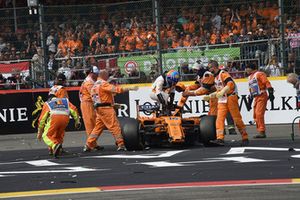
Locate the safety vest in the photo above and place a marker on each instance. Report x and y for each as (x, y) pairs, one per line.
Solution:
(95, 92)
(219, 86)
(59, 106)
(253, 85)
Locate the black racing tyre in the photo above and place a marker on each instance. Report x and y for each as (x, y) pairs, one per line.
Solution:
(207, 128)
(131, 133)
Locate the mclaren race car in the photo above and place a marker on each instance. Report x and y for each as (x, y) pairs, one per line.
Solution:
(165, 126)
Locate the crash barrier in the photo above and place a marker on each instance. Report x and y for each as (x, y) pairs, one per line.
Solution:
(16, 108)
(282, 110)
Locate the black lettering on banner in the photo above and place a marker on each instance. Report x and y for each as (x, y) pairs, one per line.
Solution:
(190, 107)
(197, 106)
(137, 101)
(273, 106)
(285, 103)
(245, 100)
(205, 106)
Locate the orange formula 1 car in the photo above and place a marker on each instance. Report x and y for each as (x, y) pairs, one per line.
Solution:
(161, 127)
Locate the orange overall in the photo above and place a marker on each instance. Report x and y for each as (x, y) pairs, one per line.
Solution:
(59, 91)
(103, 99)
(228, 102)
(201, 87)
(258, 84)
(86, 105)
(54, 119)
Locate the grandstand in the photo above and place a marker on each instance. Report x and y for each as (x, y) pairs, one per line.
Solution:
(121, 36)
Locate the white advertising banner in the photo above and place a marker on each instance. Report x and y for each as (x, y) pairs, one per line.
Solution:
(282, 111)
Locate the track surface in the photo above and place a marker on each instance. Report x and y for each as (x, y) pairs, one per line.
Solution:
(180, 173)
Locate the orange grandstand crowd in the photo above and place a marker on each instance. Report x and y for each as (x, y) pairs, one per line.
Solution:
(128, 32)
(131, 28)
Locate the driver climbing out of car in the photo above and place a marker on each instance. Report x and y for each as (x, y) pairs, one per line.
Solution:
(103, 98)
(204, 84)
(163, 89)
(227, 101)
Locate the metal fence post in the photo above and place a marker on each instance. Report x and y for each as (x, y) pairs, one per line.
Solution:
(15, 16)
(43, 43)
(158, 41)
(282, 34)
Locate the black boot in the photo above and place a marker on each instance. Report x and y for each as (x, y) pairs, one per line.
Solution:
(245, 143)
(260, 135)
(232, 131)
(217, 142)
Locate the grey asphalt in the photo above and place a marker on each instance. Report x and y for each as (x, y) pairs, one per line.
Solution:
(77, 139)
(275, 192)
(24, 147)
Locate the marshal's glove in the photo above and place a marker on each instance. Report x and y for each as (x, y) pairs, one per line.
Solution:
(133, 88)
(206, 98)
(271, 94)
(222, 92)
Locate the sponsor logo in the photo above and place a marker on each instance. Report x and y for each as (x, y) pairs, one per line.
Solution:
(130, 66)
(13, 115)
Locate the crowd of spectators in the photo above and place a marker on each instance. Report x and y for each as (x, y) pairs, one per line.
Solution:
(127, 32)
(123, 30)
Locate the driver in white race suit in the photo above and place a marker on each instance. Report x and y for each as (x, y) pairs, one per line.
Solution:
(163, 88)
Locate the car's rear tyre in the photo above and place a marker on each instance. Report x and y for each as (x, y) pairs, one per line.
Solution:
(207, 128)
(131, 133)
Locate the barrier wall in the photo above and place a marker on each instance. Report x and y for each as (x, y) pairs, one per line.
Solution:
(283, 110)
(16, 107)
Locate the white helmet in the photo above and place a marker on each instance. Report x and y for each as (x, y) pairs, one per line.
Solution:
(197, 65)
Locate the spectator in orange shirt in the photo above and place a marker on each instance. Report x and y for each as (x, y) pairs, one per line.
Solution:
(140, 39)
(63, 46)
(75, 45)
(225, 34)
(262, 10)
(187, 40)
(189, 27)
(273, 12)
(235, 21)
(121, 45)
(251, 19)
(213, 37)
(151, 36)
(243, 11)
(129, 41)
(175, 42)
(97, 38)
